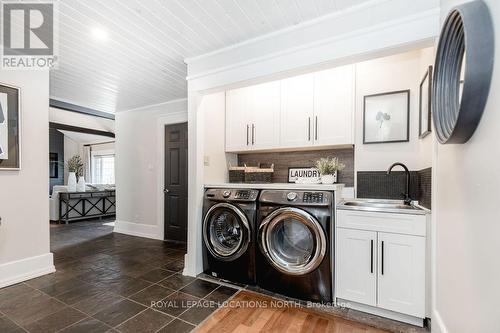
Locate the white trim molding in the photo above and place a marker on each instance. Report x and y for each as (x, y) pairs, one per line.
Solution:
(138, 229)
(194, 258)
(376, 28)
(438, 325)
(25, 269)
(158, 106)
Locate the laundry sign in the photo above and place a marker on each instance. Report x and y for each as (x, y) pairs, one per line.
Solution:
(309, 174)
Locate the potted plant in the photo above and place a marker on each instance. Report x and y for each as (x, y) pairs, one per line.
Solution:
(75, 168)
(328, 168)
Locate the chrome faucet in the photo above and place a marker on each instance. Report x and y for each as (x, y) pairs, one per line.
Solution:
(407, 198)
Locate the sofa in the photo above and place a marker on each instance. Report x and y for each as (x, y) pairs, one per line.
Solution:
(54, 201)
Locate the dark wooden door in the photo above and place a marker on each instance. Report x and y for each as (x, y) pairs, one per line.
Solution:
(176, 182)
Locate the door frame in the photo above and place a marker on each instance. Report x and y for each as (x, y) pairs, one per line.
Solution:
(161, 123)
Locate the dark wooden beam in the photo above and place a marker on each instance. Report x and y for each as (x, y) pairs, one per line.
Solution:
(79, 109)
(71, 128)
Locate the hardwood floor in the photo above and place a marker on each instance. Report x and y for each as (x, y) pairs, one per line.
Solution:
(252, 312)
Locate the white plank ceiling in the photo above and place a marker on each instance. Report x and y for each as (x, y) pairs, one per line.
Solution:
(140, 62)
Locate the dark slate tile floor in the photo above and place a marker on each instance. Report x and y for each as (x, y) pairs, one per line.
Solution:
(107, 282)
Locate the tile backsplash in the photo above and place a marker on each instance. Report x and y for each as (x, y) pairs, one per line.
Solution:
(379, 185)
(294, 159)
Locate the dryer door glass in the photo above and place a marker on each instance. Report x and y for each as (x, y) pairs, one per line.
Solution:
(293, 241)
(226, 231)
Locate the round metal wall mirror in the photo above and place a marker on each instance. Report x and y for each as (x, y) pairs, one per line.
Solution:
(462, 72)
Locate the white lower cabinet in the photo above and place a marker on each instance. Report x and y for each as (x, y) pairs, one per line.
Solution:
(356, 266)
(401, 274)
(381, 269)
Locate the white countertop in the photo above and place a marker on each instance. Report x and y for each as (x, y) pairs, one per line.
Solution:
(279, 186)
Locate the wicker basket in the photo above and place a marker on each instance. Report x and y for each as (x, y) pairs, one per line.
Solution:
(255, 175)
(236, 174)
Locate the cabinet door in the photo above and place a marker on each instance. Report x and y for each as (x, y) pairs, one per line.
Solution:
(237, 124)
(401, 273)
(356, 266)
(264, 113)
(297, 104)
(334, 106)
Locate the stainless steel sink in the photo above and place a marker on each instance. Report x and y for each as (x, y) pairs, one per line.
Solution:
(388, 206)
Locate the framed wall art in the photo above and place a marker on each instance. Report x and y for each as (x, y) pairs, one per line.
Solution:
(386, 117)
(424, 104)
(10, 128)
(54, 165)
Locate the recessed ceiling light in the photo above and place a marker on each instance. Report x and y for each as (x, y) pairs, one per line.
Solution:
(99, 34)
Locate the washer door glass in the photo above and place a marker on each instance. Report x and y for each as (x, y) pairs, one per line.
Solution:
(226, 231)
(292, 240)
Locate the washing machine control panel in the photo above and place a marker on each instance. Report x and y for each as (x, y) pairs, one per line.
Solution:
(231, 194)
(312, 197)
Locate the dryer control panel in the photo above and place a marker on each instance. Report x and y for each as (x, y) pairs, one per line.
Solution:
(297, 197)
(313, 197)
(243, 194)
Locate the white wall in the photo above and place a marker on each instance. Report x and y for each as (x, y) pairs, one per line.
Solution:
(71, 148)
(397, 72)
(24, 205)
(214, 111)
(81, 120)
(108, 147)
(467, 222)
(139, 152)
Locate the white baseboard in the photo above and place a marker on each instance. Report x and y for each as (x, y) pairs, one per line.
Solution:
(189, 268)
(437, 323)
(25, 269)
(137, 229)
(382, 312)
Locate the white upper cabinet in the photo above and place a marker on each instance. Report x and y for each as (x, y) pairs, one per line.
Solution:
(401, 273)
(333, 106)
(302, 111)
(237, 124)
(297, 104)
(264, 112)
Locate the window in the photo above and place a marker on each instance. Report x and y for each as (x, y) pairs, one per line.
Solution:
(103, 169)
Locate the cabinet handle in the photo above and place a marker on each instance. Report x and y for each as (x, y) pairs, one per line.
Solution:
(382, 258)
(248, 127)
(316, 128)
(253, 134)
(371, 257)
(309, 130)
